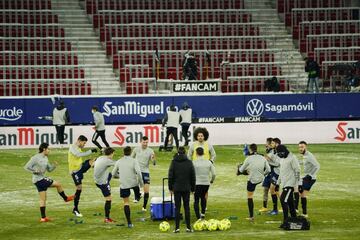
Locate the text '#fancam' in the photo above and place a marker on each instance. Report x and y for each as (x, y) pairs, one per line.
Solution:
(133, 108)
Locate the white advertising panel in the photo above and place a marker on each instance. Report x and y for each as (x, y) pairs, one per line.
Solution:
(220, 134)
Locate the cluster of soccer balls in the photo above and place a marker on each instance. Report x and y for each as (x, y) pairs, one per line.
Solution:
(212, 225)
(202, 225)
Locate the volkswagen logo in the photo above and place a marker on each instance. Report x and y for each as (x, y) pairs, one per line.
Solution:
(255, 107)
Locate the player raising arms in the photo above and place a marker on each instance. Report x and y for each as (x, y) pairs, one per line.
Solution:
(77, 167)
(128, 171)
(257, 167)
(143, 154)
(311, 168)
(102, 179)
(38, 165)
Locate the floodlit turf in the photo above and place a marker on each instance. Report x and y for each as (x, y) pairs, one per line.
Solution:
(334, 205)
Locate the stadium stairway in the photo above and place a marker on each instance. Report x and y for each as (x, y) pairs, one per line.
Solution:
(265, 11)
(98, 69)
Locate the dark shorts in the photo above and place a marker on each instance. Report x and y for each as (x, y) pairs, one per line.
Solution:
(251, 186)
(43, 184)
(105, 189)
(307, 184)
(146, 177)
(274, 177)
(124, 193)
(267, 181)
(79, 175)
(201, 190)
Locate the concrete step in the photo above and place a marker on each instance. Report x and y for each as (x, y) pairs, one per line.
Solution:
(79, 25)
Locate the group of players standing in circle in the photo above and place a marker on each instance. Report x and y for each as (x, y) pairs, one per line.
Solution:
(279, 167)
(188, 173)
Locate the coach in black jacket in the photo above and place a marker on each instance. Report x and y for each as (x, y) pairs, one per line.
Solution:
(181, 182)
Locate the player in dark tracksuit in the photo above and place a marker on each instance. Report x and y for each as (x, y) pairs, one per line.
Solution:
(182, 181)
(289, 179)
(99, 127)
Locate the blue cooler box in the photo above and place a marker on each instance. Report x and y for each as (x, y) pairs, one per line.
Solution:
(158, 212)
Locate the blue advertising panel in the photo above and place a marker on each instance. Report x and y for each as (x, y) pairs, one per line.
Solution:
(214, 106)
(150, 109)
(281, 106)
(338, 105)
(12, 112)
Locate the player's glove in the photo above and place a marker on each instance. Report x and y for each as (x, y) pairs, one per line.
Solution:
(94, 150)
(241, 173)
(238, 170)
(307, 178)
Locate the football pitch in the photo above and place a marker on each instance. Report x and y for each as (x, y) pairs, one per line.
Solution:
(333, 204)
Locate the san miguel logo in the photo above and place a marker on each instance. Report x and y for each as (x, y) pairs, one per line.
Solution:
(29, 136)
(347, 133)
(123, 136)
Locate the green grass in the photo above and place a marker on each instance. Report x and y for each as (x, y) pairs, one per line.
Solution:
(334, 205)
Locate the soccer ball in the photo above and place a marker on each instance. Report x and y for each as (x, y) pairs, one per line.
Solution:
(198, 225)
(205, 224)
(222, 226)
(226, 222)
(213, 225)
(164, 226)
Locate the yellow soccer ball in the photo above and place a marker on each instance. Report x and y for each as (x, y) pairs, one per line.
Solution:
(213, 225)
(226, 222)
(198, 225)
(164, 226)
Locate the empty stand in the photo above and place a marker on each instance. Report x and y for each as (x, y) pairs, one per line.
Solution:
(285, 6)
(169, 16)
(36, 58)
(177, 30)
(93, 6)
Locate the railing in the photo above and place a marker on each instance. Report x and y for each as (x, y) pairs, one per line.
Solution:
(326, 27)
(177, 30)
(326, 14)
(189, 43)
(331, 40)
(39, 58)
(332, 78)
(25, 4)
(92, 6)
(44, 87)
(336, 54)
(208, 62)
(170, 16)
(285, 6)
